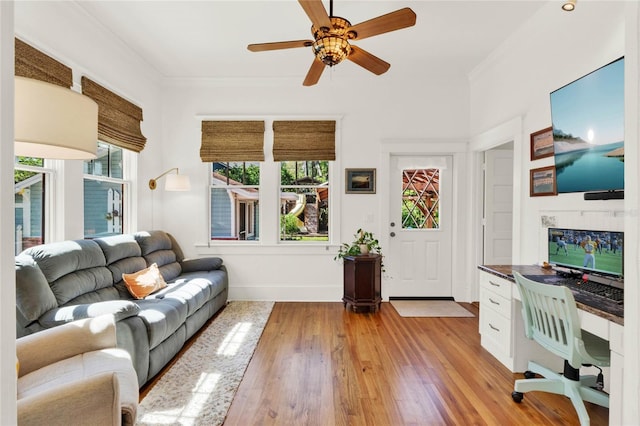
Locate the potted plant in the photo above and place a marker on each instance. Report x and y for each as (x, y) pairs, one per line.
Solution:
(364, 243)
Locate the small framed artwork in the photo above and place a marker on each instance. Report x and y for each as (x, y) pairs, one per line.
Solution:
(543, 181)
(542, 143)
(360, 181)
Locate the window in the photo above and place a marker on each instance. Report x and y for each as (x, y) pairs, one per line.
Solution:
(235, 201)
(295, 193)
(29, 178)
(304, 201)
(104, 192)
(421, 199)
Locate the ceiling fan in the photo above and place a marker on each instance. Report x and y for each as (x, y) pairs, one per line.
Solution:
(331, 36)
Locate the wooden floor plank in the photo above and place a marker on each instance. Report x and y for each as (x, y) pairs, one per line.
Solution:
(319, 364)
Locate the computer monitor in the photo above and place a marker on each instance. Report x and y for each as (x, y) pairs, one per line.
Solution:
(587, 251)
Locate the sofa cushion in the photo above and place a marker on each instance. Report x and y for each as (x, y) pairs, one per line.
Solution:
(72, 268)
(59, 259)
(195, 289)
(162, 317)
(145, 282)
(157, 247)
(120, 309)
(201, 264)
(33, 294)
(116, 247)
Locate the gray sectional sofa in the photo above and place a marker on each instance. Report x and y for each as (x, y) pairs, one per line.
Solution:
(61, 282)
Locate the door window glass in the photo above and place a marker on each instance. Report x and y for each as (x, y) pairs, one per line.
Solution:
(421, 199)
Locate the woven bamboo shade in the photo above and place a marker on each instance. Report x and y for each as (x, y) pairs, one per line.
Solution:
(118, 119)
(32, 63)
(304, 140)
(232, 141)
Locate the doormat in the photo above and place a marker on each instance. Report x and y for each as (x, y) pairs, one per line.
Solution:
(430, 308)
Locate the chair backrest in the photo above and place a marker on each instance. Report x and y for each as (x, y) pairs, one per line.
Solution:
(550, 317)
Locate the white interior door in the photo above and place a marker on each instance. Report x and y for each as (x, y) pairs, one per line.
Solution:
(419, 259)
(498, 207)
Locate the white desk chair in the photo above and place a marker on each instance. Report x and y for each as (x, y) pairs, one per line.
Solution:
(551, 319)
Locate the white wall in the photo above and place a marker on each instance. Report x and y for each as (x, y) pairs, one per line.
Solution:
(7, 265)
(553, 49)
(397, 107)
(64, 31)
(392, 109)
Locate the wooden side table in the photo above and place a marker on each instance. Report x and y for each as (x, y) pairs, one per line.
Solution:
(362, 282)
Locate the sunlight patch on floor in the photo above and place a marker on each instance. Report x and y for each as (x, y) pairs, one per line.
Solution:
(233, 340)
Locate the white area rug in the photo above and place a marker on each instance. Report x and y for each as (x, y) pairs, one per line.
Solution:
(429, 308)
(199, 387)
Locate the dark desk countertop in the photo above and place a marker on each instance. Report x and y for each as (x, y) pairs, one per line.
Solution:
(596, 305)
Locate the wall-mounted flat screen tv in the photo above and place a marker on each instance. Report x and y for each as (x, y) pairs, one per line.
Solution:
(587, 250)
(588, 131)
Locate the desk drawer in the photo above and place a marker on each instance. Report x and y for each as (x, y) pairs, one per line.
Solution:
(494, 301)
(496, 330)
(496, 284)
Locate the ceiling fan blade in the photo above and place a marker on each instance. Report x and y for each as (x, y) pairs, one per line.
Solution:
(397, 20)
(314, 73)
(316, 12)
(261, 47)
(368, 61)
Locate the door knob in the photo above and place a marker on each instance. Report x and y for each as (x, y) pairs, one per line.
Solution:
(392, 224)
(393, 234)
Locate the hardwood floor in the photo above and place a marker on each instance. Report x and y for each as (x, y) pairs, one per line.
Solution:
(319, 364)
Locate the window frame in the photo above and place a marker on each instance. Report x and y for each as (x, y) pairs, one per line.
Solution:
(283, 188)
(249, 209)
(129, 170)
(48, 204)
(269, 218)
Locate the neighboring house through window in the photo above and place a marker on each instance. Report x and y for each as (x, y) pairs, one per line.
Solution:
(30, 182)
(104, 192)
(235, 201)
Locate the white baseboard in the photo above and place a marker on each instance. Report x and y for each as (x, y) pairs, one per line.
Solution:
(287, 293)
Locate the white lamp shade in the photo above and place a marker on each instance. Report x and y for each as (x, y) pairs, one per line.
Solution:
(54, 122)
(177, 183)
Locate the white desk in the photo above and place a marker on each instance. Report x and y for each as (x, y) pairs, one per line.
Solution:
(502, 331)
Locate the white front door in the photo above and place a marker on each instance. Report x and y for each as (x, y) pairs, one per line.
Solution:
(419, 260)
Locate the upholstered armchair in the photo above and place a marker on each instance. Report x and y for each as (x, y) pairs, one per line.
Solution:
(74, 374)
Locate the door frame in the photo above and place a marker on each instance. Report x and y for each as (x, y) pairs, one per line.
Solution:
(509, 131)
(459, 150)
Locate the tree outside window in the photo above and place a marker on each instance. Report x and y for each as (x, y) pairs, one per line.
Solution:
(304, 201)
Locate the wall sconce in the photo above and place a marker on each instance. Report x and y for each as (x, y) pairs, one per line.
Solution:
(569, 5)
(175, 182)
(54, 122)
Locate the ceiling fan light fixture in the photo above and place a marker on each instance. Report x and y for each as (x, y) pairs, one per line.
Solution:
(331, 50)
(569, 5)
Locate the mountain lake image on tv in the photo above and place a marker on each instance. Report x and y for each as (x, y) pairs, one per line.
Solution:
(588, 131)
(587, 250)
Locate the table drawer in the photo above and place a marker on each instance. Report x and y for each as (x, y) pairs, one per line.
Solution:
(496, 329)
(496, 284)
(492, 300)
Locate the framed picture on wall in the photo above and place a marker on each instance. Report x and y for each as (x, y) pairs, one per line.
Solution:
(542, 143)
(543, 181)
(360, 181)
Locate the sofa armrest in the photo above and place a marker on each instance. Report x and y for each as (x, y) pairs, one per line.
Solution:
(94, 400)
(55, 344)
(201, 264)
(120, 309)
